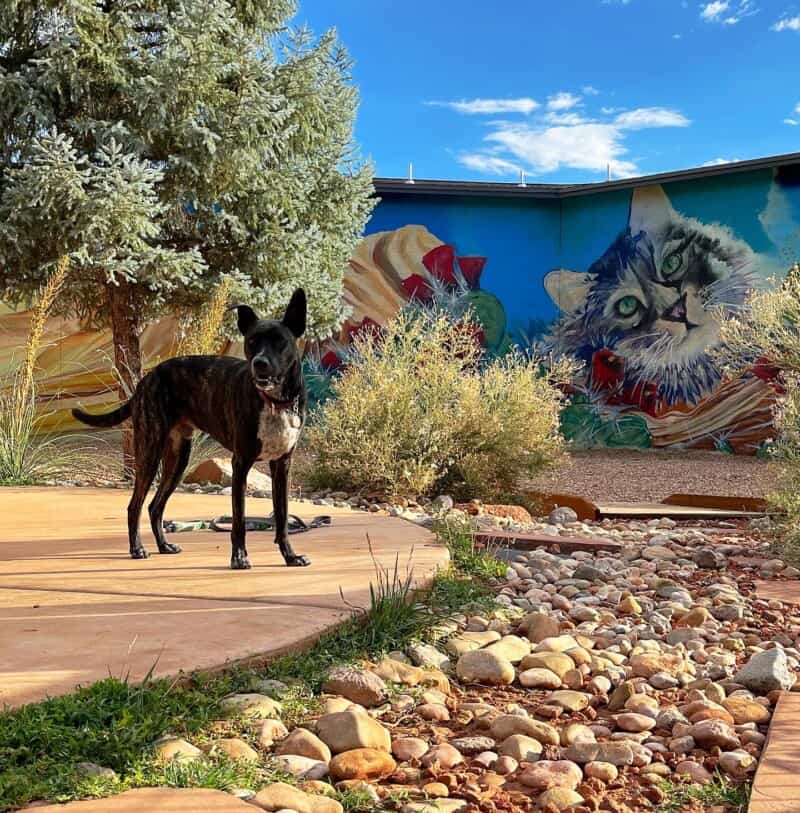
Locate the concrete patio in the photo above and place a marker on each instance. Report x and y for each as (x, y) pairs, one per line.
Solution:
(74, 608)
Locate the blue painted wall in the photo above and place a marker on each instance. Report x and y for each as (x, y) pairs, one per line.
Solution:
(648, 370)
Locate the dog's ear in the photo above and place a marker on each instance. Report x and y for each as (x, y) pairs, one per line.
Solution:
(295, 316)
(245, 317)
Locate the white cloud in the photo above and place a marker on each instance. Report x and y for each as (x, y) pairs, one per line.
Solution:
(645, 117)
(490, 164)
(590, 90)
(787, 24)
(490, 106)
(677, 36)
(797, 108)
(562, 136)
(719, 161)
(727, 13)
(587, 145)
(570, 119)
(711, 12)
(562, 101)
(791, 122)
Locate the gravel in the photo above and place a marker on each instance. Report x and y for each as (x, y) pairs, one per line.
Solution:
(627, 475)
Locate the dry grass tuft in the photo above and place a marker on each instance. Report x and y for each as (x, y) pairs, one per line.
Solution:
(28, 455)
(203, 338)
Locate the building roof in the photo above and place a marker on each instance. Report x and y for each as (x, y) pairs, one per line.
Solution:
(400, 186)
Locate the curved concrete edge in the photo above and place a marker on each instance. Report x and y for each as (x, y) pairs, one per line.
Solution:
(421, 587)
(162, 800)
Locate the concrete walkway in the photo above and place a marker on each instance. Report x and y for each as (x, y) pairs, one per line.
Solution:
(74, 608)
(776, 788)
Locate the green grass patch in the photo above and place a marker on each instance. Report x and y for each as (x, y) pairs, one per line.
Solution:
(720, 791)
(114, 723)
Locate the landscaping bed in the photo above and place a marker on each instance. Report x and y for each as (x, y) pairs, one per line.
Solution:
(635, 681)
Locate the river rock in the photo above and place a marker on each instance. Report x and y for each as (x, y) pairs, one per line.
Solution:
(407, 748)
(346, 730)
(280, 796)
(539, 679)
(361, 763)
(251, 705)
(506, 725)
(552, 774)
(766, 672)
(521, 747)
(302, 742)
(357, 685)
(481, 666)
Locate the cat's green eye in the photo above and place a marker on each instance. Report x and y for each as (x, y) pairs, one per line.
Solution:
(627, 306)
(672, 264)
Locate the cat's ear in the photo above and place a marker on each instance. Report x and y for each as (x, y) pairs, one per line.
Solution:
(567, 289)
(651, 210)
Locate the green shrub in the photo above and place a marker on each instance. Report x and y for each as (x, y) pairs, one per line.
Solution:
(417, 411)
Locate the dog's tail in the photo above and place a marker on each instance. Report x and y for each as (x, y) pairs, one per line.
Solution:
(106, 419)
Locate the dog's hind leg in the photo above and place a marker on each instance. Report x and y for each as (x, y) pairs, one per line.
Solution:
(241, 467)
(279, 469)
(173, 465)
(148, 454)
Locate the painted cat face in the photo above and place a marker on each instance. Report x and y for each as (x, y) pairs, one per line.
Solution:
(651, 298)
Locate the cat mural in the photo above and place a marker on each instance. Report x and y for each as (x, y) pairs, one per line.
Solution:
(644, 319)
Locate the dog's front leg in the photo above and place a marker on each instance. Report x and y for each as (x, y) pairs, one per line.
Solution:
(239, 560)
(279, 469)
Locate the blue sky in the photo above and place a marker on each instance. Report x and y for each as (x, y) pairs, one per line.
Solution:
(561, 89)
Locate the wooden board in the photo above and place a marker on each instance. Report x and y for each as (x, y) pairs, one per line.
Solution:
(644, 510)
(543, 503)
(753, 504)
(523, 541)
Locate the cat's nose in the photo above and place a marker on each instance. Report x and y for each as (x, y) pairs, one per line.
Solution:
(677, 313)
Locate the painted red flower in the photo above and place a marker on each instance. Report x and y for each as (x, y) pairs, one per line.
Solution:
(607, 369)
(366, 327)
(441, 263)
(417, 287)
(607, 375)
(330, 362)
(768, 373)
(471, 269)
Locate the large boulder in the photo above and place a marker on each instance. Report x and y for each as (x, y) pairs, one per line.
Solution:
(219, 471)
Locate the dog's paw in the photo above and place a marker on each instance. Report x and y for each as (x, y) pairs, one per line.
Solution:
(239, 561)
(139, 553)
(298, 561)
(169, 547)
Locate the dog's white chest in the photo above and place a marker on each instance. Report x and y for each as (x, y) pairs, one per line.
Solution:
(278, 430)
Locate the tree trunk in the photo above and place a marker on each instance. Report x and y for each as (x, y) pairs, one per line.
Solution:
(125, 328)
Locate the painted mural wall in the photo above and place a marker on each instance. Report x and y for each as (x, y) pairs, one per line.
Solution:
(625, 281)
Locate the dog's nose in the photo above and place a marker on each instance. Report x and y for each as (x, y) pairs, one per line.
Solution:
(262, 368)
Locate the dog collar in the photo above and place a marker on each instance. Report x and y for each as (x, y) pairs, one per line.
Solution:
(280, 406)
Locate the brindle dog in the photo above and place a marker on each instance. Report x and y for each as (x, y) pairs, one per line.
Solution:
(255, 408)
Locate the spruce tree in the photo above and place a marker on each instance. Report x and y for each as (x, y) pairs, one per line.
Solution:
(164, 144)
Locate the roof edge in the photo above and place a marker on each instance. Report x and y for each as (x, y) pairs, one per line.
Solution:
(400, 186)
